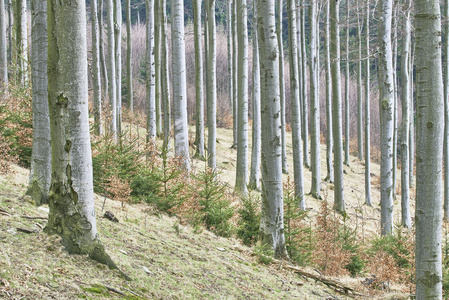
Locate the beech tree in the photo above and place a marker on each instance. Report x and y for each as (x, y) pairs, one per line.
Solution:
(272, 212)
(234, 74)
(129, 75)
(359, 86)
(40, 174)
(111, 69)
(446, 112)
(347, 121)
(242, 134)
(181, 130)
(96, 76)
(327, 56)
(3, 46)
(429, 155)
(282, 85)
(118, 61)
(20, 37)
(339, 201)
(71, 198)
(367, 109)
(386, 108)
(150, 77)
(165, 82)
(304, 94)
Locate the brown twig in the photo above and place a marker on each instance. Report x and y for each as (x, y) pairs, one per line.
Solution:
(34, 218)
(114, 290)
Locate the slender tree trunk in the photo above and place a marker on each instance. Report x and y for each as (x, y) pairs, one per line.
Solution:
(129, 75)
(96, 76)
(446, 112)
(3, 46)
(40, 174)
(103, 64)
(272, 212)
(405, 83)
(212, 85)
(429, 133)
(339, 201)
(314, 103)
(367, 111)
(282, 85)
(118, 61)
(111, 71)
(411, 144)
(305, 100)
(386, 107)
(157, 66)
(229, 23)
(71, 201)
(295, 106)
(327, 56)
(347, 120)
(254, 178)
(242, 134)
(234, 73)
(165, 81)
(20, 41)
(395, 94)
(181, 129)
(359, 87)
(10, 31)
(150, 72)
(199, 118)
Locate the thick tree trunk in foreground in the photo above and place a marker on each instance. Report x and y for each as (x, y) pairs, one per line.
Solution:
(272, 213)
(295, 106)
(429, 133)
(339, 201)
(181, 130)
(386, 107)
(242, 134)
(71, 199)
(40, 174)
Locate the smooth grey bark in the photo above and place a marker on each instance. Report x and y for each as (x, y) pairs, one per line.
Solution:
(181, 129)
(272, 212)
(71, 198)
(347, 119)
(118, 60)
(446, 112)
(96, 73)
(295, 106)
(229, 48)
(199, 114)
(367, 109)
(339, 201)
(3, 46)
(165, 81)
(150, 77)
(212, 85)
(10, 31)
(304, 97)
(20, 37)
(386, 107)
(234, 74)
(405, 130)
(359, 87)
(327, 58)
(157, 66)
(411, 144)
(254, 177)
(129, 71)
(429, 148)
(282, 85)
(40, 174)
(315, 157)
(103, 63)
(394, 47)
(242, 100)
(111, 70)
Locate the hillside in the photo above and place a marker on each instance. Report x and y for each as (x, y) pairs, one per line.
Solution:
(166, 260)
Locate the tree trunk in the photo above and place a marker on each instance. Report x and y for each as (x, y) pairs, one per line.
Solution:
(327, 56)
(157, 66)
(411, 144)
(405, 83)
(429, 133)
(129, 75)
(20, 37)
(314, 103)
(71, 201)
(150, 72)
(40, 174)
(347, 121)
(272, 212)
(181, 130)
(254, 178)
(305, 100)
(446, 113)
(111, 71)
(118, 60)
(165, 81)
(96, 76)
(199, 117)
(242, 134)
(282, 86)
(339, 201)
(395, 94)
(103, 64)
(386, 107)
(295, 106)
(229, 22)
(234, 74)
(3, 46)
(359, 87)
(367, 110)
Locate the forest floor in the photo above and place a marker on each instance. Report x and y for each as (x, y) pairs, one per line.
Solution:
(165, 260)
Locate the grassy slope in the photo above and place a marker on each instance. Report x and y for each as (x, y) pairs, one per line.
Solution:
(163, 261)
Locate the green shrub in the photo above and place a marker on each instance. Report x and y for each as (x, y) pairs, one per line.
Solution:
(249, 219)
